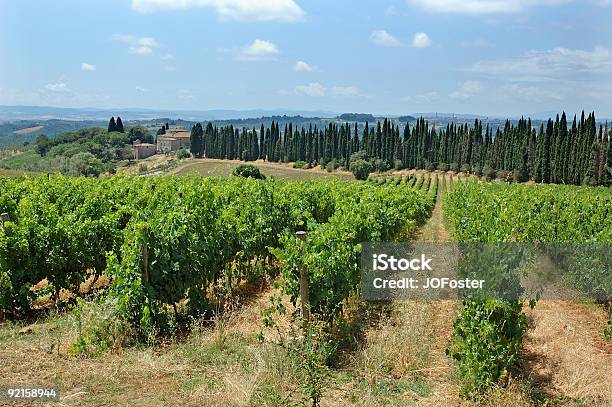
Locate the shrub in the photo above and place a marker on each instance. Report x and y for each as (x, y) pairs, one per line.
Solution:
(488, 172)
(381, 165)
(248, 171)
(454, 167)
(519, 176)
(300, 164)
(466, 168)
(443, 167)
(477, 170)
(359, 155)
(183, 153)
(331, 166)
(504, 175)
(361, 169)
(398, 165)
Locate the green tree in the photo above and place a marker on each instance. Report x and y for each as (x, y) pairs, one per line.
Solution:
(119, 125)
(361, 169)
(42, 145)
(112, 125)
(140, 133)
(197, 140)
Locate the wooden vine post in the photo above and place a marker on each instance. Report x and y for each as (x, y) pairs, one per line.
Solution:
(144, 250)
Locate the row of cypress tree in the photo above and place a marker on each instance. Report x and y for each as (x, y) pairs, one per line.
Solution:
(552, 153)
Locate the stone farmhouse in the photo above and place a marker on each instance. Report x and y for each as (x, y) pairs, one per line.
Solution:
(173, 140)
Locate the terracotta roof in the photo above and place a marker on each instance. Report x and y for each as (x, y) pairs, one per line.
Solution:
(179, 134)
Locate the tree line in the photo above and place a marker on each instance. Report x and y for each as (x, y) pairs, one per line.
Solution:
(553, 153)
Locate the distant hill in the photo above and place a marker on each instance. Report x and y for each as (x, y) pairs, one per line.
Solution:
(12, 113)
(407, 118)
(21, 131)
(357, 117)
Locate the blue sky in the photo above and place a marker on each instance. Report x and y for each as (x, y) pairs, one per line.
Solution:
(495, 57)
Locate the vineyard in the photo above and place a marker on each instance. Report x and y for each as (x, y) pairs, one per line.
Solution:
(169, 251)
(165, 240)
(488, 334)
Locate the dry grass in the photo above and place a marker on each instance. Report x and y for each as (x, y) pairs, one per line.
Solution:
(564, 356)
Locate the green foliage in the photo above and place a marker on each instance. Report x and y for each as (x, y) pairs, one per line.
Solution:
(119, 126)
(140, 133)
(197, 141)
(112, 125)
(486, 339)
(488, 172)
(42, 145)
(331, 252)
(312, 353)
(56, 155)
(530, 213)
(248, 171)
(331, 166)
(361, 169)
(183, 153)
(488, 333)
(97, 327)
(299, 164)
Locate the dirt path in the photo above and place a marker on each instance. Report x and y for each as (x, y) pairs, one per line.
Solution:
(444, 391)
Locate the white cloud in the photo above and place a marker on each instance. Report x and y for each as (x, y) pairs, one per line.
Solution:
(421, 40)
(140, 50)
(301, 66)
(257, 51)
(167, 57)
(467, 90)
(481, 6)
(345, 91)
(58, 87)
(313, 89)
(384, 39)
(140, 89)
(137, 45)
(557, 63)
(532, 93)
(87, 67)
(240, 10)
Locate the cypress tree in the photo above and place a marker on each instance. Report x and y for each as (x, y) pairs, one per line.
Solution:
(196, 140)
(112, 126)
(119, 125)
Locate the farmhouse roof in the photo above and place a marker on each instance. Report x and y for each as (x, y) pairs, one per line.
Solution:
(179, 134)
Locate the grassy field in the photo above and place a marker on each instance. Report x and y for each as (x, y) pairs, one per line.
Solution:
(221, 168)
